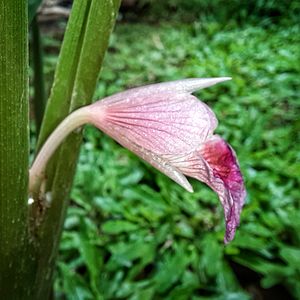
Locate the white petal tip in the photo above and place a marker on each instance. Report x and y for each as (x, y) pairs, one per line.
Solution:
(191, 190)
(188, 187)
(207, 82)
(224, 79)
(181, 180)
(194, 84)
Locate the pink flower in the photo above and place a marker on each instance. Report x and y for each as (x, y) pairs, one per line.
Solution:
(173, 131)
(169, 128)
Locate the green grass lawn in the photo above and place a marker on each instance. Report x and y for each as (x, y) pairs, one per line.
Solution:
(131, 233)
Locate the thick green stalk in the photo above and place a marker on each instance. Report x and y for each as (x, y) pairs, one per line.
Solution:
(39, 99)
(82, 53)
(16, 255)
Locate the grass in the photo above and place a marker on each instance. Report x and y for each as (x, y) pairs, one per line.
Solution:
(131, 233)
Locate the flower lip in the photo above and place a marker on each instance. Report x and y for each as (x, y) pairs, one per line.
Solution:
(222, 159)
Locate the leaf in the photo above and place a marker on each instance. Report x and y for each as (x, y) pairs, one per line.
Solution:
(33, 6)
(118, 226)
(90, 254)
(226, 279)
(73, 284)
(123, 254)
(211, 258)
(171, 269)
(145, 294)
(291, 256)
(274, 273)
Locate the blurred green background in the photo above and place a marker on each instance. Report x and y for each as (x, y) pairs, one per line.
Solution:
(131, 233)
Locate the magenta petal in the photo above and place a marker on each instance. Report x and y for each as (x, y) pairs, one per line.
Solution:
(216, 165)
(222, 160)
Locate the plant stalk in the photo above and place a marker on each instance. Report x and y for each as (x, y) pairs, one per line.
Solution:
(70, 123)
(84, 45)
(39, 99)
(17, 253)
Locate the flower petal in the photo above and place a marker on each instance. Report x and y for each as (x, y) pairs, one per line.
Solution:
(215, 163)
(157, 161)
(163, 123)
(188, 85)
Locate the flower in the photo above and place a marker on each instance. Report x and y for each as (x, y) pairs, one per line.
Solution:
(172, 130)
(169, 128)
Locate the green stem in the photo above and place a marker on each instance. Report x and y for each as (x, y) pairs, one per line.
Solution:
(39, 99)
(17, 260)
(85, 43)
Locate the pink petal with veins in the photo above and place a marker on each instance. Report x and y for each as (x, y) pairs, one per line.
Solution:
(163, 123)
(172, 130)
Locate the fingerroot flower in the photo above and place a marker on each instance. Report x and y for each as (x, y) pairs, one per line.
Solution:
(172, 130)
